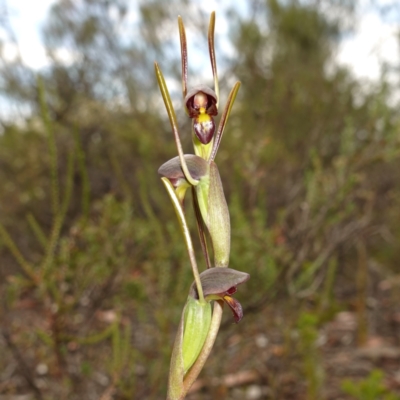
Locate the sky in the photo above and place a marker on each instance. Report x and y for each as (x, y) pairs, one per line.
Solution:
(376, 39)
(26, 18)
(373, 41)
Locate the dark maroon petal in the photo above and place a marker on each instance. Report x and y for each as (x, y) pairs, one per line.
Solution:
(204, 130)
(212, 109)
(231, 291)
(198, 168)
(235, 306)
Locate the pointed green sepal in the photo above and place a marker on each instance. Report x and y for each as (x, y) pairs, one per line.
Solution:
(184, 57)
(173, 121)
(215, 213)
(211, 49)
(224, 119)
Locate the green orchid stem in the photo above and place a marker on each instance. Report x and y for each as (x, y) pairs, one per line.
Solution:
(186, 233)
(194, 372)
(173, 122)
(211, 49)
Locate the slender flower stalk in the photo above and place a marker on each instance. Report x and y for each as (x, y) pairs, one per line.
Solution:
(186, 234)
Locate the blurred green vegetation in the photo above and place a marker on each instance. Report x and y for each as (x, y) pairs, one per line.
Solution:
(371, 388)
(94, 270)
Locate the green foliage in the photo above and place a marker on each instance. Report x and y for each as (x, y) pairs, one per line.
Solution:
(307, 325)
(370, 388)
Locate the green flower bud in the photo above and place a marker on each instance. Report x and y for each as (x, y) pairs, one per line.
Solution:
(192, 332)
(197, 319)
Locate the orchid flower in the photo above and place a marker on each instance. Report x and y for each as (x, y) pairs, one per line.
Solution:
(201, 102)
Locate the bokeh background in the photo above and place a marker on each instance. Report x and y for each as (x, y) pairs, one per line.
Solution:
(93, 268)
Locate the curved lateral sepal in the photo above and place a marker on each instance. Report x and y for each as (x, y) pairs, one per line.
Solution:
(173, 121)
(184, 58)
(224, 119)
(211, 49)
